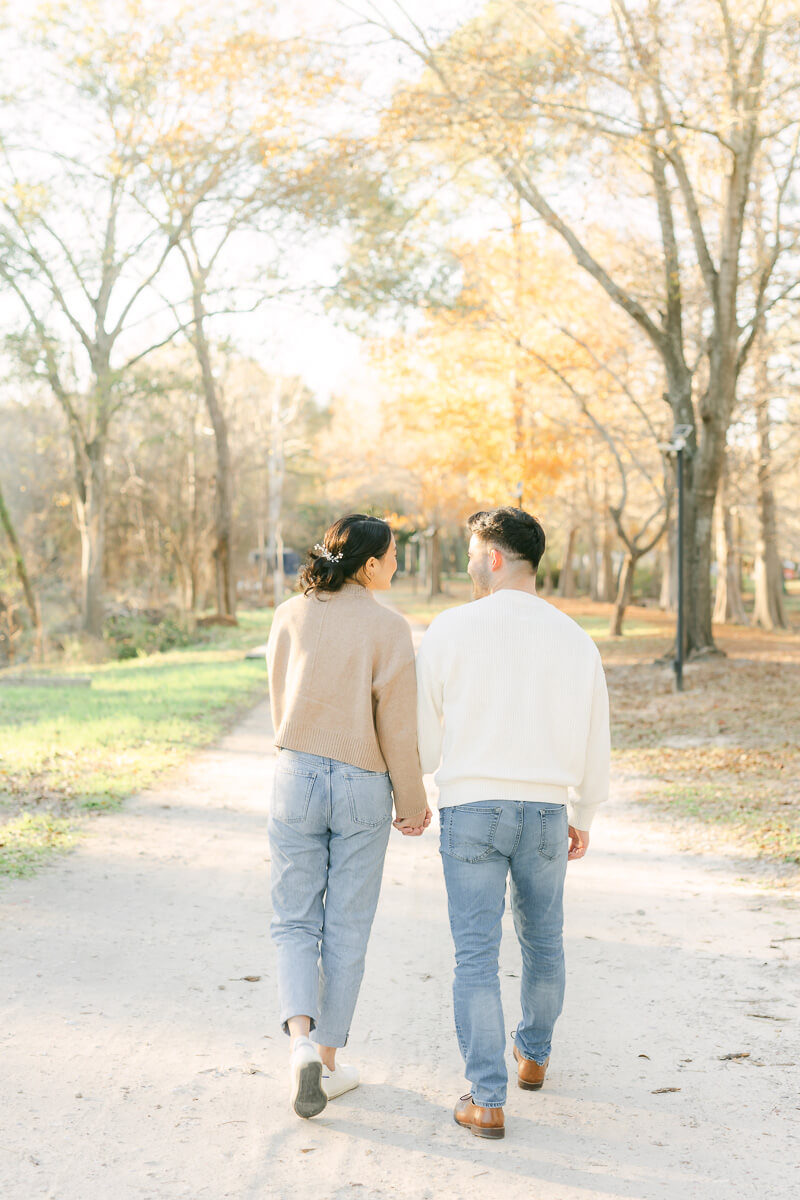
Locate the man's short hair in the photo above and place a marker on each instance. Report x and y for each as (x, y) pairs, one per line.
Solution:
(511, 530)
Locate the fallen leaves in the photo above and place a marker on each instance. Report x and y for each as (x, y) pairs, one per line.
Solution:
(720, 756)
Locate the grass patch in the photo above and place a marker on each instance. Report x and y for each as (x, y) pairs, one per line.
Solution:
(30, 838)
(71, 750)
(760, 824)
(139, 717)
(720, 755)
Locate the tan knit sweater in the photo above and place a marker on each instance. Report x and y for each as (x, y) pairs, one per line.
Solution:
(342, 684)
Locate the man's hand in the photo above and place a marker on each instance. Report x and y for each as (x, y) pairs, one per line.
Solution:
(578, 843)
(415, 825)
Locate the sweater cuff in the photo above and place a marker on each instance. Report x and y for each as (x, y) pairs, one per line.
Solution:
(409, 799)
(580, 814)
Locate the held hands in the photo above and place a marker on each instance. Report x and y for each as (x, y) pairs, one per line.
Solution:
(415, 825)
(578, 843)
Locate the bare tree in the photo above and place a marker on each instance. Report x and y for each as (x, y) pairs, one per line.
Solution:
(80, 261)
(661, 97)
(728, 602)
(768, 609)
(284, 408)
(22, 574)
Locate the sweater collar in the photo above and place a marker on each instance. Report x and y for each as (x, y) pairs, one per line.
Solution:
(353, 588)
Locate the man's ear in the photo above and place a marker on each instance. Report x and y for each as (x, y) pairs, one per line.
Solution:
(495, 560)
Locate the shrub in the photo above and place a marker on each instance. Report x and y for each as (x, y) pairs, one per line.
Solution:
(134, 635)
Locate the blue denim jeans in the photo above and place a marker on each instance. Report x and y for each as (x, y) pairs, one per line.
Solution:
(329, 827)
(480, 844)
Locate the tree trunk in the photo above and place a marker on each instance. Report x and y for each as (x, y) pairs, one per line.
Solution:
(669, 570)
(702, 469)
(223, 496)
(624, 592)
(768, 611)
(422, 561)
(22, 574)
(583, 576)
(566, 578)
(276, 473)
(606, 581)
(90, 507)
(261, 541)
(594, 559)
(194, 532)
(435, 564)
(728, 603)
(408, 559)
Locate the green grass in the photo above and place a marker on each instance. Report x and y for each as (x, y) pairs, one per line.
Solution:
(66, 750)
(754, 822)
(29, 839)
(137, 718)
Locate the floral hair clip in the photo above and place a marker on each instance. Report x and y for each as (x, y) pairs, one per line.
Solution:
(324, 552)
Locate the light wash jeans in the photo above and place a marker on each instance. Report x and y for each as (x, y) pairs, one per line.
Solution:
(328, 830)
(480, 843)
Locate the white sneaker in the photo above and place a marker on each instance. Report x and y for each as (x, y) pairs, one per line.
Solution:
(306, 1096)
(336, 1083)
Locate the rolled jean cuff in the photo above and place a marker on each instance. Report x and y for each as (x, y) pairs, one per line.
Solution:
(325, 1038)
(487, 1103)
(285, 1021)
(539, 1058)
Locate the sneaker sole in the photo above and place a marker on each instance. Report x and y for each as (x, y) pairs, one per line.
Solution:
(310, 1098)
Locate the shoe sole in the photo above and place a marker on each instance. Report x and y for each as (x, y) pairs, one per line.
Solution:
(478, 1131)
(335, 1095)
(530, 1087)
(310, 1099)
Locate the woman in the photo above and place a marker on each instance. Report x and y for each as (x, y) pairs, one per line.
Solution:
(343, 696)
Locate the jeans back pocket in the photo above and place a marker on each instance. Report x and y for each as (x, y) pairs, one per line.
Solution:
(468, 831)
(291, 793)
(553, 833)
(370, 796)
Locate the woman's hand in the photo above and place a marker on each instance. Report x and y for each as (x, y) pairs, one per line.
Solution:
(415, 825)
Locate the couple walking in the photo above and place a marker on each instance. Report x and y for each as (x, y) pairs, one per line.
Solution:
(508, 700)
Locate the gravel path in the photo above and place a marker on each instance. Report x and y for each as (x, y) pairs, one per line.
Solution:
(138, 1060)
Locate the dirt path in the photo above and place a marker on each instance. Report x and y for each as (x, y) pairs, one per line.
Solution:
(138, 1062)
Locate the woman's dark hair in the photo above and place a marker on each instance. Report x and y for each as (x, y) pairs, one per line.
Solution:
(350, 541)
(512, 530)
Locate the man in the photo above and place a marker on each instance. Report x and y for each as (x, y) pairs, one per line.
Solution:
(512, 703)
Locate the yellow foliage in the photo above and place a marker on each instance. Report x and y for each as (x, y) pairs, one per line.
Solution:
(493, 396)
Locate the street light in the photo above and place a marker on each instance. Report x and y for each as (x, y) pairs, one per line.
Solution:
(677, 445)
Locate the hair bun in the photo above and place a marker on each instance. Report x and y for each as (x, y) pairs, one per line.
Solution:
(353, 539)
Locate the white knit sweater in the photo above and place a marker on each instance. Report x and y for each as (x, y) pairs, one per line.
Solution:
(512, 703)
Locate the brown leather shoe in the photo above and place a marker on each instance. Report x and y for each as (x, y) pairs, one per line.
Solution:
(484, 1122)
(530, 1074)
